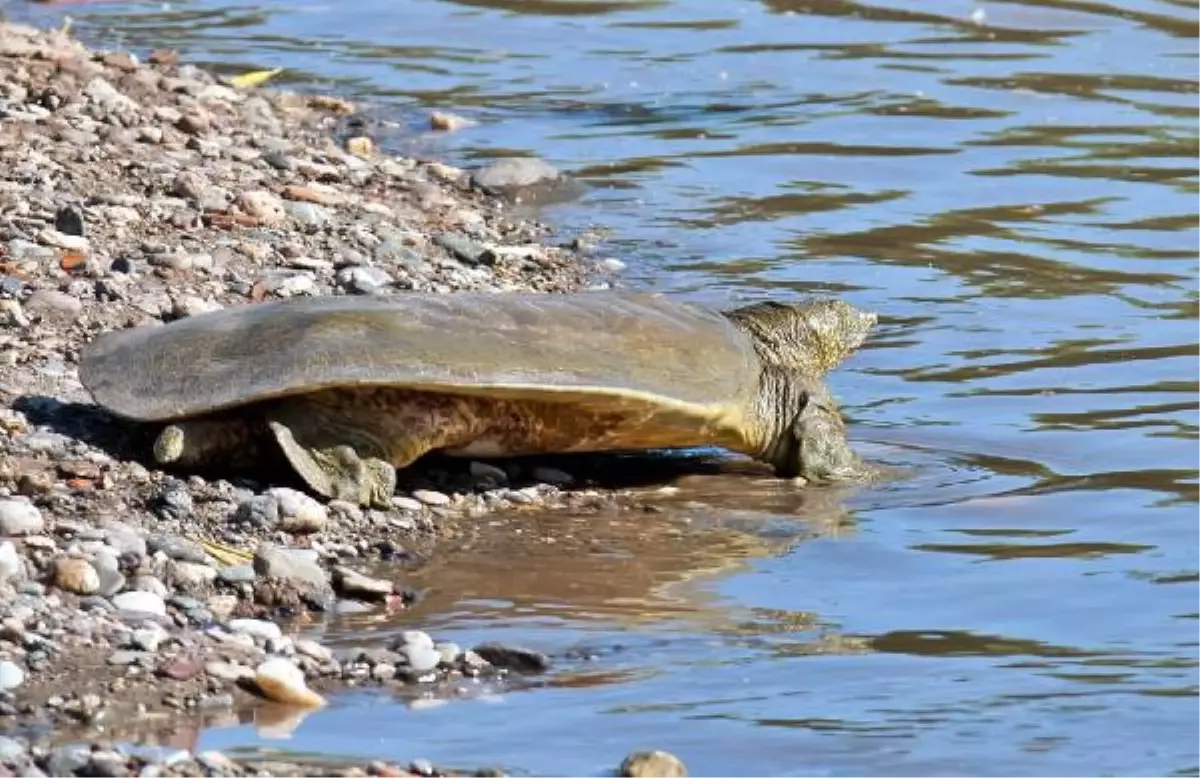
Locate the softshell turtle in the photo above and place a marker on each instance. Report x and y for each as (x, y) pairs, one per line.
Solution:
(352, 388)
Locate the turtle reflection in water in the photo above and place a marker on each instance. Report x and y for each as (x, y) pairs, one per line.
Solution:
(352, 388)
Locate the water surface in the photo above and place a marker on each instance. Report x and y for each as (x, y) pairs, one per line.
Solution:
(1013, 186)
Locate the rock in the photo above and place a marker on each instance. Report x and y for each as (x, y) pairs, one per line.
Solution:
(363, 279)
(307, 214)
(173, 501)
(11, 675)
(406, 503)
(290, 565)
(147, 638)
(106, 95)
(449, 652)
(19, 517)
(256, 628)
(354, 584)
(228, 671)
(237, 574)
(432, 498)
(463, 249)
(52, 303)
(141, 602)
(516, 658)
(261, 510)
(652, 764)
(299, 513)
(67, 760)
(190, 576)
(175, 547)
(421, 659)
(448, 122)
(12, 567)
(281, 681)
(313, 650)
(126, 658)
(76, 575)
(516, 173)
(262, 205)
(189, 185)
(12, 750)
(181, 669)
(69, 221)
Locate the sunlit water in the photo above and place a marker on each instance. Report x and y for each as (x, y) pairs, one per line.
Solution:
(1013, 186)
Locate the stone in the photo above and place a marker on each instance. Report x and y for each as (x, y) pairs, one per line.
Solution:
(262, 205)
(256, 628)
(290, 564)
(261, 510)
(237, 574)
(299, 513)
(354, 584)
(147, 638)
(448, 122)
(141, 602)
(173, 501)
(12, 567)
(11, 675)
(282, 681)
(12, 750)
(432, 498)
(76, 575)
(20, 517)
(652, 764)
(516, 658)
(313, 650)
(552, 475)
(190, 576)
(516, 172)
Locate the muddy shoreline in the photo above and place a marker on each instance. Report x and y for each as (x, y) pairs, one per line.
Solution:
(137, 189)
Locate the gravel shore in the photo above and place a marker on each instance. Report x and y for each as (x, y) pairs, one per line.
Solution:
(139, 189)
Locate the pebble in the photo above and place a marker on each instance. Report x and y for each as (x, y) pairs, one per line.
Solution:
(421, 659)
(141, 602)
(262, 510)
(291, 565)
(147, 638)
(11, 564)
(448, 122)
(20, 517)
(256, 628)
(237, 574)
(11, 749)
(516, 658)
(354, 584)
(313, 650)
(191, 576)
(282, 681)
(11, 675)
(515, 172)
(406, 503)
(652, 764)
(432, 498)
(299, 513)
(173, 501)
(262, 205)
(76, 575)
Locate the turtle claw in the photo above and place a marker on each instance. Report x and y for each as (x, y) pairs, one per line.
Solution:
(226, 555)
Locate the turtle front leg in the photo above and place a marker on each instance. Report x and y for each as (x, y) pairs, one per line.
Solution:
(347, 444)
(822, 451)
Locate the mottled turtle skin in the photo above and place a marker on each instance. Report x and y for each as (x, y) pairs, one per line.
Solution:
(352, 388)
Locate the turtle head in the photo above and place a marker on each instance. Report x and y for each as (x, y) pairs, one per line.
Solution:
(811, 337)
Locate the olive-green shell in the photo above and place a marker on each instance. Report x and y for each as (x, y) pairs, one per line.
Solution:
(584, 347)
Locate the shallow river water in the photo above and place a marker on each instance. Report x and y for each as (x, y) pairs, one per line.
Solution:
(1013, 186)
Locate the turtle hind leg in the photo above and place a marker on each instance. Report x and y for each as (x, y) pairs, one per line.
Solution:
(208, 442)
(347, 444)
